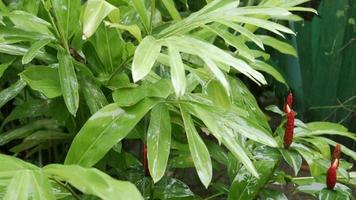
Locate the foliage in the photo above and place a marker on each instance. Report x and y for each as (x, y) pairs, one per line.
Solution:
(83, 83)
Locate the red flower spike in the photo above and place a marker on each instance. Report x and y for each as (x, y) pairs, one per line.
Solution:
(331, 175)
(336, 153)
(289, 102)
(144, 160)
(289, 130)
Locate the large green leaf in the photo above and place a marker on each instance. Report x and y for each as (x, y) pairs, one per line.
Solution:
(44, 79)
(103, 130)
(198, 150)
(94, 182)
(11, 92)
(158, 141)
(246, 186)
(68, 81)
(145, 57)
(67, 13)
(94, 14)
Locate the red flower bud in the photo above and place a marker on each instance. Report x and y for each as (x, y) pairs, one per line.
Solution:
(331, 174)
(336, 153)
(289, 130)
(289, 102)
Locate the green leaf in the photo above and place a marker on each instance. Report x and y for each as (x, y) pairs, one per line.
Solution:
(177, 70)
(30, 108)
(169, 4)
(26, 130)
(130, 96)
(246, 186)
(198, 150)
(139, 6)
(19, 186)
(31, 23)
(94, 13)
(282, 47)
(218, 95)
(224, 134)
(67, 13)
(327, 194)
(171, 188)
(243, 31)
(233, 40)
(34, 50)
(270, 194)
(11, 92)
(264, 67)
(94, 182)
(18, 50)
(132, 29)
(4, 66)
(103, 130)
(109, 48)
(293, 159)
(93, 95)
(158, 141)
(212, 55)
(145, 57)
(44, 79)
(68, 81)
(324, 128)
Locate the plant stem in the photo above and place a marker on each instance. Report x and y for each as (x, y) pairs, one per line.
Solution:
(75, 195)
(215, 195)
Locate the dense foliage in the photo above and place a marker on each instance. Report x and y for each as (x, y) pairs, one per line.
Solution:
(114, 99)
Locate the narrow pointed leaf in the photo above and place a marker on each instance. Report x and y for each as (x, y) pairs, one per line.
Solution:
(139, 6)
(158, 141)
(198, 150)
(279, 45)
(11, 92)
(68, 80)
(177, 71)
(172, 10)
(34, 50)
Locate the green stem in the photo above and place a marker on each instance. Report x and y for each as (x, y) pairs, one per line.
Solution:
(215, 195)
(75, 195)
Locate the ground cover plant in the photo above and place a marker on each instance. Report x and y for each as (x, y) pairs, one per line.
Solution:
(115, 99)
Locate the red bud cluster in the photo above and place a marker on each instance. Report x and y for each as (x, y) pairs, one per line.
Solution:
(331, 176)
(289, 129)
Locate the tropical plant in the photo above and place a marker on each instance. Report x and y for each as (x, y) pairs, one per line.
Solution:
(88, 84)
